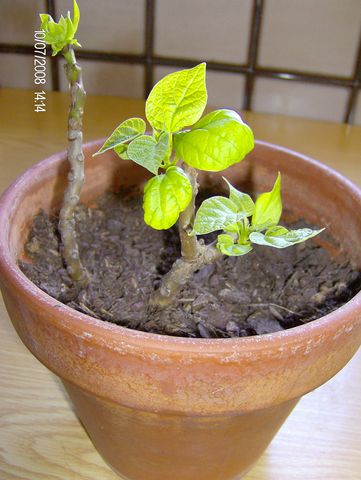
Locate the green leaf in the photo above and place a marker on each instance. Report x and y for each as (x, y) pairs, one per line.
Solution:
(178, 100)
(233, 228)
(215, 213)
(121, 151)
(243, 201)
(216, 142)
(226, 245)
(276, 231)
(165, 197)
(126, 131)
(45, 19)
(220, 213)
(149, 153)
(268, 207)
(60, 34)
(66, 26)
(280, 237)
(76, 16)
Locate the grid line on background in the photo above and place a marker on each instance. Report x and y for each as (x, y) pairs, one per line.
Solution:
(253, 45)
(251, 70)
(149, 45)
(356, 81)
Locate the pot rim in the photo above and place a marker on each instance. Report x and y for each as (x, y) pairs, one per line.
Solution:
(112, 335)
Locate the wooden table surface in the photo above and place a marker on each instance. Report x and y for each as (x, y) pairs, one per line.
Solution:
(40, 437)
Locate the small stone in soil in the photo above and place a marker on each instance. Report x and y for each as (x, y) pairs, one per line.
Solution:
(263, 323)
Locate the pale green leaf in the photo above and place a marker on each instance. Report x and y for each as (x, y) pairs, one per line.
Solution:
(149, 153)
(64, 25)
(69, 28)
(76, 15)
(268, 207)
(243, 201)
(165, 197)
(280, 237)
(215, 213)
(126, 131)
(45, 19)
(233, 228)
(54, 35)
(56, 48)
(226, 245)
(60, 34)
(276, 231)
(217, 141)
(178, 100)
(121, 151)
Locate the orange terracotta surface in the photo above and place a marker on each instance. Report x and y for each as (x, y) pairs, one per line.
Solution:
(176, 404)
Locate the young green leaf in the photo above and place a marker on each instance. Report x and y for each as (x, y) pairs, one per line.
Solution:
(243, 201)
(268, 208)
(126, 131)
(165, 197)
(149, 153)
(220, 213)
(76, 18)
(233, 228)
(226, 245)
(60, 34)
(178, 100)
(215, 213)
(121, 151)
(280, 237)
(276, 231)
(215, 142)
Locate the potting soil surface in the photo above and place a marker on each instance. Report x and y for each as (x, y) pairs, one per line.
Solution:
(265, 291)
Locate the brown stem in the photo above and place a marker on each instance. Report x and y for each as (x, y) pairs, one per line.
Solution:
(181, 272)
(76, 174)
(195, 254)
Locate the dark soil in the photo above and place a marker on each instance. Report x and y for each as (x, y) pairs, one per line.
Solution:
(265, 291)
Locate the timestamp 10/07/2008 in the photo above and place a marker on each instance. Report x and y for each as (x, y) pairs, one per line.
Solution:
(39, 70)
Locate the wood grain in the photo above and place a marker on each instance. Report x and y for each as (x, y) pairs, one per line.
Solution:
(40, 437)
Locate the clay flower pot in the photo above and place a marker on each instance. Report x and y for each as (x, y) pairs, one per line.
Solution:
(161, 407)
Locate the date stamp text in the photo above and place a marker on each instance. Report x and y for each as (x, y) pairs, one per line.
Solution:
(39, 71)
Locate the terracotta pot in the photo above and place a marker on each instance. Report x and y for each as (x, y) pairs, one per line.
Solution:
(160, 407)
